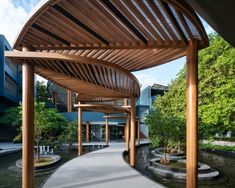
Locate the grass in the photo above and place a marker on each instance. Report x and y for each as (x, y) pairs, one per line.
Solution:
(218, 147)
(224, 139)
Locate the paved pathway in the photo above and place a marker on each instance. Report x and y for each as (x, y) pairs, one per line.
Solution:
(8, 147)
(104, 168)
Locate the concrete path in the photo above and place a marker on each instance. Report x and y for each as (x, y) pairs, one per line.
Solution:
(8, 147)
(104, 168)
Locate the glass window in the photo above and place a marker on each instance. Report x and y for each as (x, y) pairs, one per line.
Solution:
(11, 66)
(10, 86)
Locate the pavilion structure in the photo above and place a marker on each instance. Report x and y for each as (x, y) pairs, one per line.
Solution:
(91, 47)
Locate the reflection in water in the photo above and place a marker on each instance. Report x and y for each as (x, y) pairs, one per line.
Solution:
(225, 165)
(10, 175)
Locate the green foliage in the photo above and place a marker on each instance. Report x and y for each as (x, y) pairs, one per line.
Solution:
(42, 92)
(13, 117)
(70, 134)
(49, 123)
(216, 75)
(217, 86)
(217, 147)
(165, 128)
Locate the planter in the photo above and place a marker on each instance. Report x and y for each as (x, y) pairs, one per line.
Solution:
(159, 152)
(205, 172)
(54, 159)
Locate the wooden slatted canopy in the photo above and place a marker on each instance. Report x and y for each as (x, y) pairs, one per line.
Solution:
(91, 46)
(130, 33)
(104, 108)
(120, 117)
(91, 78)
(61, 95)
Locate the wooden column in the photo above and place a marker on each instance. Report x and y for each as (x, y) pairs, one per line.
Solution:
(107, 131)
(127, 128)
(79, 130)
(69, 101)
(87, 132)
(192, 113)
(127, 133)
(133, 133)
(138, 132)
(54, 97)
(28, 125)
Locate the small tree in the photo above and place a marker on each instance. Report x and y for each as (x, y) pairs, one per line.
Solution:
(49, 123)
(70, 134)
(42, 92)
(164, 128)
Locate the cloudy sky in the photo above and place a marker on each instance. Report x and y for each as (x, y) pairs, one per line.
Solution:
(13, 14)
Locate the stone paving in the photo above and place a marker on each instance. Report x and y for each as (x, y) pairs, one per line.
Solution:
(104, 168)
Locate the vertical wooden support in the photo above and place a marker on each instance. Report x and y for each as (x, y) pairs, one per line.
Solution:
(127, 133)
(138, 131)
(28, 126)
(107, 131)
(87, 132)
(69, 101)
(79, 130)
(125, 102)
(133, 133)
(192, 113)
(54, 97)
(127, 128)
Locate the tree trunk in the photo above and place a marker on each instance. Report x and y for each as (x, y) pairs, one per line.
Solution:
(38, 153)
(70, 145)
(165, 145)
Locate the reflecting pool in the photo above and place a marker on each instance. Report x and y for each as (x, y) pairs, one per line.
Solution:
(10, 175)
(225, 165)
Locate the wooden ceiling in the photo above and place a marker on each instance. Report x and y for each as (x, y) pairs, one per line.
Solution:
(90, 78)
(133, 34)
(61, 95)
(103, 108)
(91, 46)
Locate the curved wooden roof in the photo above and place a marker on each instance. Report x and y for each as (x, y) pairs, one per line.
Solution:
(134, 34)
(90, 78)
(103, 108)
(62, 95)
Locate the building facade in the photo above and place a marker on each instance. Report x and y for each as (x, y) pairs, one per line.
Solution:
(96, 120)
(10, 78)
(144, 104)
(10, 87)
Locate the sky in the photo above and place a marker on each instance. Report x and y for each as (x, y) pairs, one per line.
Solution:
(13, 14)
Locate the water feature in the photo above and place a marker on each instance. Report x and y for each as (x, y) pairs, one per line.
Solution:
(10, 175)
(225, 165)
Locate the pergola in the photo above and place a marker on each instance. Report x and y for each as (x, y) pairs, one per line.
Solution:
(91, 46)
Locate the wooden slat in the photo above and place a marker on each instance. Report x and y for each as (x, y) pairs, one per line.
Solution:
(99, 79)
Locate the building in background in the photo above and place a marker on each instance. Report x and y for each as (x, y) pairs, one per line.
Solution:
(97, 121)
(10, 78)
(10, 86)
(145, 101)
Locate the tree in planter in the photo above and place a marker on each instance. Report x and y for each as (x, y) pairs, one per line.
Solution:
(164, 129)
(49, 123)
(70, 134)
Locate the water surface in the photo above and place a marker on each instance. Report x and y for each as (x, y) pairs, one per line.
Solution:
(10, 175)
(225, 165)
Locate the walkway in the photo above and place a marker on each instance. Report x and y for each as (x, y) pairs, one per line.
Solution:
(104, 168)
(9, 147)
